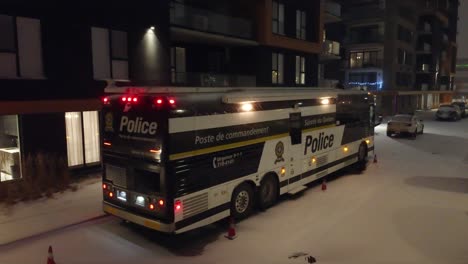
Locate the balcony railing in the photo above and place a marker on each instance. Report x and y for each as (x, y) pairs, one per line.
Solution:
(211, 22)
(212, 79)
(333, 8)
(377, 63)
(365, 39)
(331, 48)
(364, 12)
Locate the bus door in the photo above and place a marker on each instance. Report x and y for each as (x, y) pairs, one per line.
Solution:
(296, 148)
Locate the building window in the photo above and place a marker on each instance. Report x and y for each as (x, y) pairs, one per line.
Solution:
(300, 24)
(405, 34)
(178, 71)
(366, 34)
(10, 158)
(365, 59)
(277, 68)
(82, 130)
(110, 53)
(20, 48)
(300, 70)
(404, 58)
(278, 18)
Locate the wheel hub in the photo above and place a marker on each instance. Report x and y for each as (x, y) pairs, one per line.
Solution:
(242, 201)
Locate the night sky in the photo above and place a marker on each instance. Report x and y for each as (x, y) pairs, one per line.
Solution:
(463, 30)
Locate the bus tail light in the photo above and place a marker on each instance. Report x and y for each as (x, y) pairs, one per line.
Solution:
(105, 100)
(104, 186)
(111, 194)
(177, 206)
(171, 101)
(161, 202)
(151, 207)
(158, 101)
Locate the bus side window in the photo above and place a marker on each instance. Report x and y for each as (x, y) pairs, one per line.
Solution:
(295, 128)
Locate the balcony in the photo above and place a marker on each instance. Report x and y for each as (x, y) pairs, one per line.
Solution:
(369, 12)
(437, 10)
(332, 11)
(376, 63)
(365, 39)
(425, 49)
(212, 79)
(185, 17)
(424, 69)
(330, 51)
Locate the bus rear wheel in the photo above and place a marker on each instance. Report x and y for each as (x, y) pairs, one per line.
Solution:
(242, 201)
(268, 192)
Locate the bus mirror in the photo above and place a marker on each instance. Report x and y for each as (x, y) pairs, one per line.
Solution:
(378, 121)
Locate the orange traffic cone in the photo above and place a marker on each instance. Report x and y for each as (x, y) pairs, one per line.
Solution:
(375, 158)
(232, 230)
(324, 185)
(50, 258)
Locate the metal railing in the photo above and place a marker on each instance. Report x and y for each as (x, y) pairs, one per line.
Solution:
(211, 22)
(376, 63)
(364, 12)
(212, 79)
(333, 8)
(363, 39)
(331, 48)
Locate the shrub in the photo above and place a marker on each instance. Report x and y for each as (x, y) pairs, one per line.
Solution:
(42, 174)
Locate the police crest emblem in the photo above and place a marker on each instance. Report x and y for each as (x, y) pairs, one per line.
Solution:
(108, 121)
(279, 151)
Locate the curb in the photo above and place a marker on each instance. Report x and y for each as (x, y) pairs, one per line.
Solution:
(33, 236)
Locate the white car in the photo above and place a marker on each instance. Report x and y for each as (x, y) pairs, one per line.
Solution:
(449, 112)
(405, 124)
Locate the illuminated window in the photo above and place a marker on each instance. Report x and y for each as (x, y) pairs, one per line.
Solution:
(82, 132)
(300, 70)
(10, 158)
(277, 68)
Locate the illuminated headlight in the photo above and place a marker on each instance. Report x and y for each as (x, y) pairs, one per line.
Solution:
(140, 200)
(121, 195)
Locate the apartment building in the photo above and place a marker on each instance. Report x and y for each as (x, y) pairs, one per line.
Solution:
(401, 51)
(54, 66)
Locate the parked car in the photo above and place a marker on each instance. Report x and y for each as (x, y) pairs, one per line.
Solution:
(462, 107)
(448, 112)
(405, 124)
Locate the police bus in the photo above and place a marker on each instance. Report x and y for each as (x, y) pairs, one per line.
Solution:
(179, 159)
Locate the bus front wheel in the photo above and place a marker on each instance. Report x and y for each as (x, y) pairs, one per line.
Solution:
(242, 201)
(268, 192)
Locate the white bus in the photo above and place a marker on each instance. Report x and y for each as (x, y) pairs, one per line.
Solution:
(175, 160)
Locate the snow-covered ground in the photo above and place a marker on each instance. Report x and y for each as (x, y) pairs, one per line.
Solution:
(409, 207)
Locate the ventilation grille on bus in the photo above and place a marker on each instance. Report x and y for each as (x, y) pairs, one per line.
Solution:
(195, 205)
(322, 161)
(117, 175)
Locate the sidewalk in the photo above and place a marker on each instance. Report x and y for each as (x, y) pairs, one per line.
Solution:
(32, 218)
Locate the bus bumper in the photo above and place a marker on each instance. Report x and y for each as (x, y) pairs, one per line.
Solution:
(139, 220)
